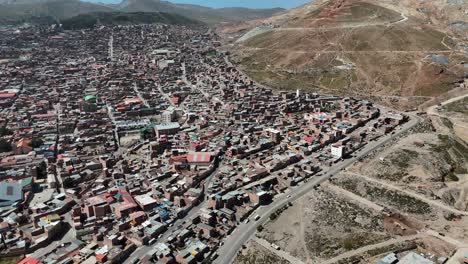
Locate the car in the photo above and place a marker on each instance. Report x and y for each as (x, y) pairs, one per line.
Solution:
(246, 221)
(257, 217)
(289, 196)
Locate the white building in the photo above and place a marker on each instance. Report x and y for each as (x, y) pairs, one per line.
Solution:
(338, 151)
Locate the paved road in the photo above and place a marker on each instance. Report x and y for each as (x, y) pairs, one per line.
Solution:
(244, 232)
(135, 88)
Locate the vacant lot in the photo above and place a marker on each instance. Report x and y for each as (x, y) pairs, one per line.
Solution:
(256, 254)
(458, 107)
(383, 196)
(323, 225)
(429, 163)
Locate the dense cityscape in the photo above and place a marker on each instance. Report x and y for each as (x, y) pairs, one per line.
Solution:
(144, 144)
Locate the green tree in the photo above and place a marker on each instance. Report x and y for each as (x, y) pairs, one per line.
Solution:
(36, 142)
(5, 131)
(260, 228)
(5, 146)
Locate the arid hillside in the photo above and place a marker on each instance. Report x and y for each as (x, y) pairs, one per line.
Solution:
(355, 47)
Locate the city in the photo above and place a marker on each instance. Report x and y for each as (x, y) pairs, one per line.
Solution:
(153, 143)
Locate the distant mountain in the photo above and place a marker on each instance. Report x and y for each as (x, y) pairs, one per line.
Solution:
(53, 10)
(12, 11)
(121, 18)
(205, 14)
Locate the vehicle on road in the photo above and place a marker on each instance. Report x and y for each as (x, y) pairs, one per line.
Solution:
(246, 221)
(257, 217)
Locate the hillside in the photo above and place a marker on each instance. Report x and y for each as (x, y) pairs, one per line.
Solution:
(18, 11)
(119, 18)
(354, 47)
(205, 14)
(47, 10)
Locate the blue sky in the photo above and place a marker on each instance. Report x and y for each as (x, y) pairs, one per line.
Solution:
(231, 3)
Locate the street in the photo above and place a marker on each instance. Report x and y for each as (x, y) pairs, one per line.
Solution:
(244, 232)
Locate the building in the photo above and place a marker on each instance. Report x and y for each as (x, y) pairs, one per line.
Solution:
(413, 258)
(166, 129)
(10, 193)
(200, 158)
(338, 150)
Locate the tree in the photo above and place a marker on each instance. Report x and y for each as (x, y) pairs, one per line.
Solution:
(5, 131)
(260, 228)
(68, 183)
(36, 142)
(42, 170)
(5, 146)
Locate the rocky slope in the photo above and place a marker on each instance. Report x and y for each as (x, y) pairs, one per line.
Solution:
(359, 48)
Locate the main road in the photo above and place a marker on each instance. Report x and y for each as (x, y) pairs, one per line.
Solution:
(244, 232)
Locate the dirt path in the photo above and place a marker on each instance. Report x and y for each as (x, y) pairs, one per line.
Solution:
(302, 233)
(279, 253)
(348, 51)
(363, 250)
(355, 197)
(456, 121)
(417, 196)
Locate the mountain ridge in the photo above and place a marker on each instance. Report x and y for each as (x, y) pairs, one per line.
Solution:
(22, 10)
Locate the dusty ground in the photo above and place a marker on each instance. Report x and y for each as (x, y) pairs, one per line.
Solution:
(256, 254)
(421, 179)
(334, 49)
(437, 169)
(129, 140)
(457, 113)
(323, 225)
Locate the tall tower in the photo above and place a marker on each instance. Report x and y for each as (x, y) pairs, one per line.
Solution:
(111, 48)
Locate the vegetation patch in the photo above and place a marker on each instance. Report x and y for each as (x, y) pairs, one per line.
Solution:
(256, 254)
(460, 106)
(400, 201)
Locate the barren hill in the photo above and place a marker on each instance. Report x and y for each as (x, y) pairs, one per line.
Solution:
(355, 47)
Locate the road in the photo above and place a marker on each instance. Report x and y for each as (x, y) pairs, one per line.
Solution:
(433, 111)
(135, 88)
(244, 232)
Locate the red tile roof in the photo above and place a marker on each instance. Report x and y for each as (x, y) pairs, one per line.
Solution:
(199, 157)
(7, 95)
(29, 261)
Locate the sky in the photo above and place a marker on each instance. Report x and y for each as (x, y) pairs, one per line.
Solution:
(230, 3)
